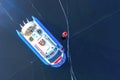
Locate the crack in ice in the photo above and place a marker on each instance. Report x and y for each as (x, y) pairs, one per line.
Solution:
(72, 74)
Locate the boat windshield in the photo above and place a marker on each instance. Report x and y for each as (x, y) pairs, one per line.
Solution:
(55, 57)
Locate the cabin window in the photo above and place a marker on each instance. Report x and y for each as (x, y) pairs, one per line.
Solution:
(39, 31)
(31, 39)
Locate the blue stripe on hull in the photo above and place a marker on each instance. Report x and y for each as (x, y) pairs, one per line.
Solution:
(31, 47)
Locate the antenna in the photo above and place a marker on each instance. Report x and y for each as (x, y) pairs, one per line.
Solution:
(27, 20)
(21, 26)
(23, 22)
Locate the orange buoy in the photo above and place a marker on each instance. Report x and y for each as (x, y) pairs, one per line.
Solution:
(64, 34)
